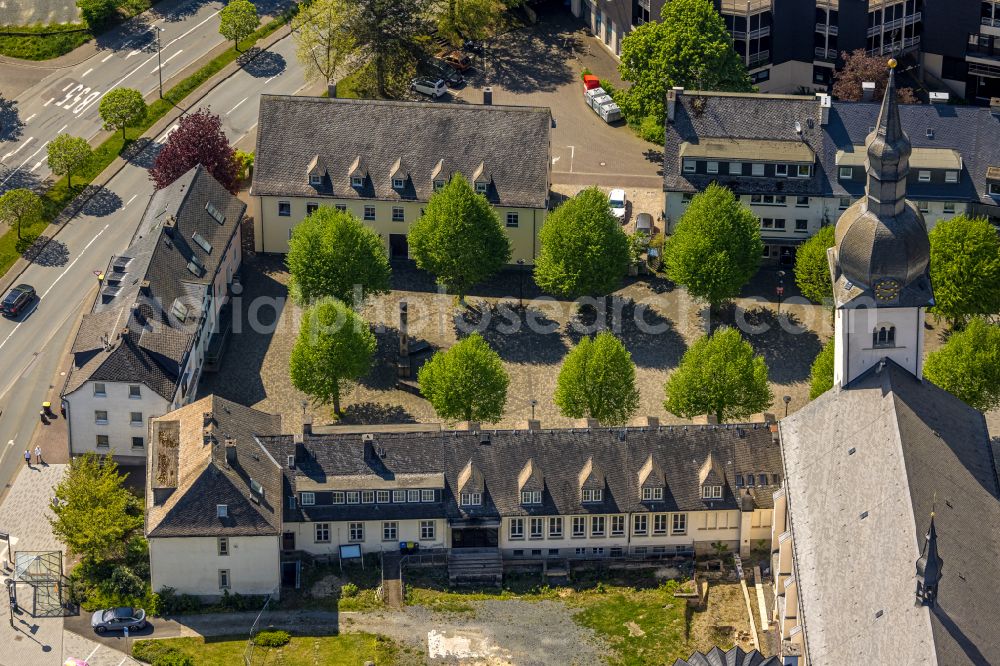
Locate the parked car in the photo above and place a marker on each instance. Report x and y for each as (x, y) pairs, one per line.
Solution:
(473, 46)
(431, 87)
(618, 202)
(17, 299)
(644, 223)
(456, 59)
(438, 70)
(117, 619)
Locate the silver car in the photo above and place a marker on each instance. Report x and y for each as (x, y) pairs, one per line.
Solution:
(117, 619)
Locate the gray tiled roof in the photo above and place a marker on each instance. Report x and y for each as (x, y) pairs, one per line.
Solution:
(156, 342)
(865, 466)
(733, 657)
(512, 142)
(558, 455)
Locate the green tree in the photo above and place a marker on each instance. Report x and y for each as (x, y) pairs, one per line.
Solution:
(390, 35)
(821, 376)
(719, 375)
(583, 248)
(121, 108)
(965, 268)
(330, 253)
(716, 246)
(466, 383)
(597, 380)
(97, 13)
(470, 19)
(238, 20)
(322, 38)
(68, 154)
(968, 365)
(19, 207)
(688, 47)
(95, 514)
(334, 346)
(812, 270)
(459, 239)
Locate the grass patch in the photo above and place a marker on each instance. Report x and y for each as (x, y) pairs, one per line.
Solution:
(348, 87)
(42, 42)
(343, 650)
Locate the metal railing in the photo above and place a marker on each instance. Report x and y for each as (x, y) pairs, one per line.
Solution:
(829, 29)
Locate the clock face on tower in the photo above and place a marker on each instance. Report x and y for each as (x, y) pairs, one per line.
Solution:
(886, 290)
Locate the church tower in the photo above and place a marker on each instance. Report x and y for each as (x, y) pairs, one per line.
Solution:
(879, 263)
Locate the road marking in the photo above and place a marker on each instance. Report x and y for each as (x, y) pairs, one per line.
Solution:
(136, 52)
(87, 72)
(237, 105)
(82, 252)
(37, 164)
(270, 79)
(26, 160)
(122, 661)
(167, 133)
(49, 102)
(572, 153)
(90, 656)
(108, 57)
(62, 128)
(28, 119)
(15, 152)
(168, 60)
(555, 159)
(210, 17)
(130, 200)
(68, 85)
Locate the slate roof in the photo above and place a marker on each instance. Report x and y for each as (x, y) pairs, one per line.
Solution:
(973, 131)
(558, 455)
(180, 455)
(332, 134)
(734, 657)
(865, 466)
(156, 341)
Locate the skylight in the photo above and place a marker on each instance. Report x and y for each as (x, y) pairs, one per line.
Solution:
(195, 267)
(202, 243)
(215, 213)
(179, 310)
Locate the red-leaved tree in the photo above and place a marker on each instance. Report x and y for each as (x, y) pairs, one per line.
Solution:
(198, 139)
(860, 67)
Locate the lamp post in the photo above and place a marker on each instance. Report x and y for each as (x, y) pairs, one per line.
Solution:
(159, 63)
(533, 403)
(780, 289)
(520, 284)
(787, 399)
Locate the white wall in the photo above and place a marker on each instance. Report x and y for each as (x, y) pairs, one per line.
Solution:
(854, 353)
(191, 565)
(117, 403)
(407, 530)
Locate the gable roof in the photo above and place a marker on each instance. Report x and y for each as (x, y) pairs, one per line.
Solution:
(863, 467)
(346, 133)
(735, 656)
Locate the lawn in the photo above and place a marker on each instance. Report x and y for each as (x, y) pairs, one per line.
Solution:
(42, 42)
(342, 650)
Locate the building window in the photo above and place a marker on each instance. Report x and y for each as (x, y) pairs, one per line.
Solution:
(517, 528)
(315, 179)
(390, 531)
(680, 524)
(949, 207)
(134, 391)
(398, 183)
(756, 198)
(135, 418)
(802, 225)
(580, 551)
(100, 390)
(223, 579)
(103, 442)
(781, 170)
(311, 208)
(579, 527)
(597, 526)
(686, 197)
(660, 523)
(597, 551)
(712, 167)
(711, 492)
(398, 496)
(779, 224)
(805, 170)
(481, 187)
(923, 207)
(382, 496)
(766, 252)
(413, 496)
(536, 528)
(438, 184)
(472, 499)
(555, 527)
(138, 442)
(995, 189)
(757, 169)
(426, 495)
(802, 202)
(338, 497)
(512, 220)
(689, 166)
(428, 530)
(531, 497)
(321, 532)
(735, 168)
(284, 209)
(308, 499)
(652, 494)
(291, 501)
(592, 495)
(370, 213)
(357, 181)
(100, 417)
(355, 531)
(367, 496)
(221, 510)
(223, 545)
(553, 552)
(951, 176)
(884, 337)
(739, 480)
(640, 524)
(398, 214)
(340, 206)
(617, 525)
(844, 203)
(846, 173)
(519, 552)
(924, 176)
(767, 223)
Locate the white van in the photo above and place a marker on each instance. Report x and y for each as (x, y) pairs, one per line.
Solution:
(431, 87)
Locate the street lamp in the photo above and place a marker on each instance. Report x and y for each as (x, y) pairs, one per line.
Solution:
(159, 64)
(520, 284)
(787, 399)
(533, 403)
(780, 290)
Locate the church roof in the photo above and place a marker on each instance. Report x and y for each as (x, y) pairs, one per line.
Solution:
(864, 467)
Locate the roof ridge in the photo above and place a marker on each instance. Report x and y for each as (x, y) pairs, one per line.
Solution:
(308, 99)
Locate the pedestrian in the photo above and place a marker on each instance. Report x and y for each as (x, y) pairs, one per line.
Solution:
(38, 454)
(27, 457)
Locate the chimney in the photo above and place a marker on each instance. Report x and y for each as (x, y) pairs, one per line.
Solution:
(867, 91)
(368, 440)
(484, 439)
(825, 101)
(231, 452)
(705, 419)
(470, 426)
(646, 422)
(939, 97)
(307, 424)
(207, 419)
(331, 89)
(673, 98)
(995, 106)
(488, 96)
(587, 423)
(530, 424)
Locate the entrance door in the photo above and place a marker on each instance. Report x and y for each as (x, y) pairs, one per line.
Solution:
(288, 541)
(290, 572)
(475, 537)
(787, 256)
(398, 247)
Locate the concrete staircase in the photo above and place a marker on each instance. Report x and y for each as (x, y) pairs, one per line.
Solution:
(475, 566)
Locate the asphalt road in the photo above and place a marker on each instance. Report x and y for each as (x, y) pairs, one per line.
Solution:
(31, 345)
(68, 99)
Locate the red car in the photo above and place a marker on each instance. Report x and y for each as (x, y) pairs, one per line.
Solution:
(456, 59)
(17, 299)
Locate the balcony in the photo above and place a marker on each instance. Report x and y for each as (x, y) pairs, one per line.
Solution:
(988, 22)
(758, 59)
(827, 29)
(889, 26)
(983, 46)
(891, 48)
(826, 54)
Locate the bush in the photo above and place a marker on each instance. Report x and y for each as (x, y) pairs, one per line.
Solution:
(272, 639)
(349, 590)
(97, 13)
(126, 583)
(585, 72)
(158, 654)
(172, 603)
(651, 129)
(237, 602)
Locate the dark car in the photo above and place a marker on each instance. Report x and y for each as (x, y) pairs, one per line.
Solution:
(117, 619)
(475, 47)
(440, 70)
(17, 299)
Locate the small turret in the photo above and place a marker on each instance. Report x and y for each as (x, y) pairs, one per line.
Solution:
(929, 568)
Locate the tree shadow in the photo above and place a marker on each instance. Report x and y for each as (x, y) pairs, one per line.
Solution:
(654, 157)
(383, 374)
(788, 347)
(369, 413)
(261, 64)
(518, 336)
(142, 152)
(134, 35)
(100, 201)
(182, 11)
(11, 125)
(531, 60)
(47, 252)
(652, 339)
(18, 175)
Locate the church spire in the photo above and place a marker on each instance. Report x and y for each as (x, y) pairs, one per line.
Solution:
(888, 156)
(929, 568)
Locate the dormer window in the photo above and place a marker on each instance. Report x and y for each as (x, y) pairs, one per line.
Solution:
(531, 497)
(315, 179)
(924, 176)
(438, 184)
(652, 494)
(471, 499)
(995, 189)
(481, 187)
(398, 183)
(593, 495)
(711, 492)
(222, 510)
(951, 176)
(357, 181)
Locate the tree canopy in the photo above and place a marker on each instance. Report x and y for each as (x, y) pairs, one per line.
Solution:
(689, 46)
(470, 19)
(968, 365)
(859, 67)
(330, 253)
(597, 380)
(198, 139)
(719, 374)
(716, 246)
(238, 20)
(121, 108)
(583, 248)
(18, 207)
(68, 154)
(965, 268)
(821, 375)
(95, 513)
(334, 346)
(389, 35)
(322, 38)
(466, 383)
(812, 270)
(459, 239)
